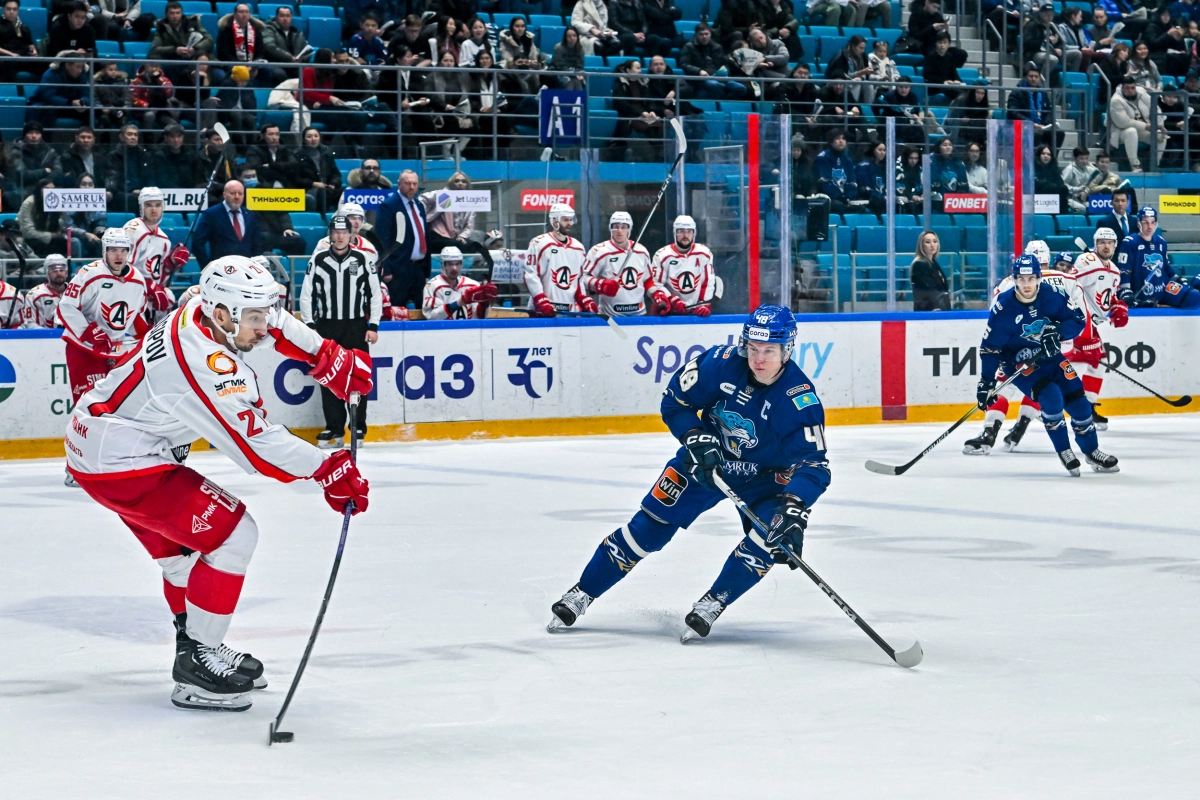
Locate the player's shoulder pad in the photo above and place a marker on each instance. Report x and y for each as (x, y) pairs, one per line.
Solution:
(702, 248)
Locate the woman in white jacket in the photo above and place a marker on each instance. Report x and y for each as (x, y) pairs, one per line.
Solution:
(590, 18)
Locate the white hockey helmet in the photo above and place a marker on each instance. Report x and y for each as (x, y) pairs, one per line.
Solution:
(54, 261)
(620, 218)
(452, 254)
(1040, 250)
(150, 194)
(560, 211)
(1104, 235)
(236, 283)
(352, 210)
(115, 237)
(684, 223)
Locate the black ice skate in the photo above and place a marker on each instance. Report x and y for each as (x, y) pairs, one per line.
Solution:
(701, 618)
(982, 444)
(326, 440)
(1016, 433)
(1099, 419)
(570, 608)
(204, 681)
(1101, 461)
(243, 663)
(1071, 462)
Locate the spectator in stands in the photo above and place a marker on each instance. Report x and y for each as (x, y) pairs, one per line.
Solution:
(86, 227)
(1076, 44)
(366, 47)
(32, 158)
(930, 290)
(883, 68)
(941, 67)
(1185, 11)
(234, 105)
(947, 174)
(82, 159)
(352, 12)
(1100, 32)
(590, 18)
(219, 160)
(1031, 101)
(275, 231)
(665, 90)
(835, 13)
(412, 36)
(871, 177)
(637, 117)
(735, 18)
(327, 107)
(483, 95)
(175, 166)
(1076, 177)
(1104, 180)
(447, 38)
(119, 19)
(130, 167)
(910, 186)
(1043, 43)
(16, 41)
(851, 65)
(568, 57)
(801, 100)
(925, 23)
(282, 42)
(400, 88)
(113, 96)
(452, 228)
(518, 52)
(45, 232)
(475, 44)
(319, 170)
(911, 120)
(180, 38)
(64, 92)
(153, 97)
(1143, 71)
(446, 95)
(1113, 69)
(225, 228)
(661, 16)
(1003, 13)
(1046, 177)
(240, 36)
(705, 58)
(1172, 117)
(880, 10)
(774, 58)
(967, 121)
(1131, 13)
(70, 31)
(274, 165)
(977, 174)
(1168, 50)
(835, 173)
(368, 176)
(403, 232)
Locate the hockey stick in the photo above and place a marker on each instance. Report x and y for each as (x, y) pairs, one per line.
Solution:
(20, 279)
(907, 658)
(1180, 403)
(224, 134)
(886, 469)
(581, 315)
(277, 735)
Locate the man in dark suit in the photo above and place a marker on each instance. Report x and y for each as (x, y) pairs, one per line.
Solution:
(1119, 219)
(226, 229)
(401, 226)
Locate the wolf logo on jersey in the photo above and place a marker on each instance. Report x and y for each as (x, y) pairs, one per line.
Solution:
(736, 431)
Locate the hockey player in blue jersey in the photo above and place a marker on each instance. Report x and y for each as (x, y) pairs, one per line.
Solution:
(750, 413)
(1147, 278)
(1026, 326)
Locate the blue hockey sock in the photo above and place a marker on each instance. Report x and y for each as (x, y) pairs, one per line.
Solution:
(1056, 426)
(618, 554)
(1083, 425)
(744, 568)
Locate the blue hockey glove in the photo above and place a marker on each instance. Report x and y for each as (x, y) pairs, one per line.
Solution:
(1125, 295)
(786, 533)
(983, 392)
(703, 456)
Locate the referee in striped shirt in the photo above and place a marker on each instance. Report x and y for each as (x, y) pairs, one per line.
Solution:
(342, 301)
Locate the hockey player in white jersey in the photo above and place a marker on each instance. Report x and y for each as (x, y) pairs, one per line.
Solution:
(355, 215)
(1100, 280)
(188, 379)
(41, 303)
(684, 270)
(452, 295)
(12, 305)
(554, 268)
(152, 254)
(622, 279)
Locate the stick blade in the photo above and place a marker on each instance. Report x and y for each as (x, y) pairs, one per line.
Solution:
(679, 137)
(1181, 402)
(911, 657)
(881, 469)
(222, 131)
(281, 737)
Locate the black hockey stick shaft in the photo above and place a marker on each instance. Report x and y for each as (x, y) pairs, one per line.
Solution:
(20, 279)
(1180, 403)
(276, 735)
(909, 658)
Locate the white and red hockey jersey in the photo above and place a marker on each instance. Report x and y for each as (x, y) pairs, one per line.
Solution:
(150, 247)
(359, 243)
(688, 276)
(440, 292)
(114, 302)
(12, 306)
(1066, 283)
(178, 385)
(1099, 281)
(41, 307)
(554, 268)
(606, 260)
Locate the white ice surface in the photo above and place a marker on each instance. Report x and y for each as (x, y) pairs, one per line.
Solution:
(1058, 615)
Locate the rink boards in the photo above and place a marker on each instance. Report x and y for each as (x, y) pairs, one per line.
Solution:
(544, 377)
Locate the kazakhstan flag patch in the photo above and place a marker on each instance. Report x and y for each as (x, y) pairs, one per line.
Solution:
(805, 400)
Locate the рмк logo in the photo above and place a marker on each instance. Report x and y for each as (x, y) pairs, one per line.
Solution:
(8, 378)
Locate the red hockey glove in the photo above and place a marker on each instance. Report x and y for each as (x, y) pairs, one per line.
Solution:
(342, 371)
(660, 304)
(340, 479)
(96, 339)
(176, 259)
(393, 313)
(678, 306)
(1088, 350)
(606, 286)
(484, 293)
(588, 304)
(543, 307)
(701, 311)
(158, 297)
(1118, 315)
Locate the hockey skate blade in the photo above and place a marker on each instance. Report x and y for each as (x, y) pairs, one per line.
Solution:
(194, 698)
(976, 451)
(911, 657)
(556, 625)
(689, 636)
(283, 737)
(1009, 446)
(881, 469)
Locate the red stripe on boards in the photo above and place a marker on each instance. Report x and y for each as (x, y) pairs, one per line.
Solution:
(893, 389)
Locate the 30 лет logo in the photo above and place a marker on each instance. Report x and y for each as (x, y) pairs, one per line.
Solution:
(526, 376)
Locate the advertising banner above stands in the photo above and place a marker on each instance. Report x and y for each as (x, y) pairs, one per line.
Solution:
(965, 203)
(865, 368)
(542, 200)
(71, 200)
(275, 199)
(367, 198)
(184, 199)
(1179, 204)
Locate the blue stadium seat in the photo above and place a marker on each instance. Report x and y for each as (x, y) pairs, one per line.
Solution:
(12, 116)
(311, 236)
(540, 20)
(548, 36)
(229, 8)
(325, 32)
(116, 220)
(871, 240)
(810, 45)
(107, 49)
(968, 74)
(909, 60)
(9, 90)
(970, 220)
(317, 11)
(1066, 222)
(191, 7)
(1043, 225)
(866, 33)
(692, 9)
(686, 28)
(906, 238)
(975, 240)
(307, 219)
(172, 219)
(593, 62)
(137, 51)
(906, 71)
(824, 31)
(36, 19)
(889, 35)
(156, 7)
(861, 220)
(503, 20)
(211, 22)
(1058, 243)
(601, 126)
(950, 237)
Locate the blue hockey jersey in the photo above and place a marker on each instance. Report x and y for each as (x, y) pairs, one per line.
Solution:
(1014, 330)
(1145, 268)
(835, 175)
(778, 428)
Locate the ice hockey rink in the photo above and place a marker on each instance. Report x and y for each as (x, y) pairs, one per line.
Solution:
(1059, 619)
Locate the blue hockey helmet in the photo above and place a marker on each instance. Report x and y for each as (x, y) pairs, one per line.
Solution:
(1063, 255)
(1026, 265)
(1148, 212)
(769, 324)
